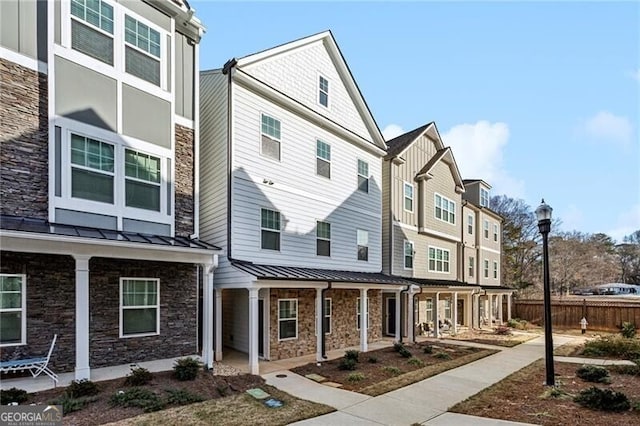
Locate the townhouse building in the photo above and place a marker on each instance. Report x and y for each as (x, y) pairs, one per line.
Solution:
(99, 186)
(291, 188)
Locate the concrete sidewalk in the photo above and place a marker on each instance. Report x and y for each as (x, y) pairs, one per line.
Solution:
(424, 402)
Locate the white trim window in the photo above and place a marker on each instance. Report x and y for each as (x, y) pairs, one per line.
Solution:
(445, 209)
(429, 309)
(438, 260)
(486, 268)
(323, 91)
(408, 254)
(470, 224)
(495, 232)
(362, 240)
(270, 229)
(287, 319)
(13, 309)
(142, 180)
(139, 307)
(484, 197)
(408, 197)
(92, 29)
(326, 316)
(363, 176)
(323, 238)
(358, 314)
(92, 169)
(486, 229)
(323, 159)
(495, 270)
(472, 266)
(270, 137)
(142, 50)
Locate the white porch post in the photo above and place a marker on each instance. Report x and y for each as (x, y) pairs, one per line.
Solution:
(83, 371)
(455, 312)
(364, 320)
(468, 316)
(218, 324)
(319, 317)
(436, 315)
(500, 299)
(398, 310)
(509, 298)
(254, 367)
(491, 317)
(412, 313)
(207, 315)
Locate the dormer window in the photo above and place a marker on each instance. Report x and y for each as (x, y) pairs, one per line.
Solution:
(323, 91)
(484, 197)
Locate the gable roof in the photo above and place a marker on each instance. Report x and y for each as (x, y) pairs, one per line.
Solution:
(473, 181)
(326, 37)
(398, 145)
(444, 154)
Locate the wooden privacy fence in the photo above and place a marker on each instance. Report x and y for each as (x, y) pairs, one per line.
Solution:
(601, 315)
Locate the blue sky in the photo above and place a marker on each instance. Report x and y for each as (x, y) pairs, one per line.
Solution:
(539, 99)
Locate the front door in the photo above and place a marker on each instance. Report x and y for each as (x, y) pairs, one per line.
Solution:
(261, 327)
(460, 309)
(391, 316)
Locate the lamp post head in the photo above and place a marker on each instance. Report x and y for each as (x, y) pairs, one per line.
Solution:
(543, 214)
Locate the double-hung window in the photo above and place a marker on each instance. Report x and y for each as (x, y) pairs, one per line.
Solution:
(270, 229)
(139, 306)
(486, 268)
(447, 308)
(323, 159)
(495, 232)
(287, 319)
(445, 209)
(486, 229)
(13, 315)
(408, 197)
(92, 27)
(495, 270)
(323, 238)
(470, 224)
(142, 180)
(408, 255)
(472, 266)
(142, 50)
(358, 313)
(270, 137)
(438, 260)
(92, 169)
(362, 238)
(429, 309)
(484, 197)
(326, 316)
(323, 91)
(363, 176)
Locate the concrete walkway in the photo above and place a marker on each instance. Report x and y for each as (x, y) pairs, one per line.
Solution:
(425, 402)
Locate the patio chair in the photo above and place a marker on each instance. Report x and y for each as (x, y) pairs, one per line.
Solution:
(36, 366)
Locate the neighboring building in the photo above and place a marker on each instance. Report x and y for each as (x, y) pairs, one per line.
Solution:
(290, 171)
(99, 186)
(425, 225)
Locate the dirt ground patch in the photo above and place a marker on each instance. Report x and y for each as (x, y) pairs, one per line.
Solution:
(522, 397)
(490, 337)
(383, 370)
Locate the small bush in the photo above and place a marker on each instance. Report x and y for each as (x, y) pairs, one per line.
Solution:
(442, 355)
(417, 362)
(428, 349)
(513, 323)
(593, 373)
(70, 404)
(186, 369)
(355, 377)
(138, 397)
(613, 346)
(80, 388)
(501, 330)
(628, 330)
(631, 370)
(404, 352)
(393, 371)
(603, 399)
(13, 395)
(352, 354)
(223, 390)
(372, 359)
(139, 376)
(182, 397)
(397, 346)
(347, 364)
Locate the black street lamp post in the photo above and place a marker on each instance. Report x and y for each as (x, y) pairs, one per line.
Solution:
(543, 214)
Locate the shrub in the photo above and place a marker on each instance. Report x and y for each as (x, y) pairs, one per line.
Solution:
(513, 323)
(397, 346)
(13, 395)
(404, 352)
(501, 330)
(355, 377)
(603, 399)
(186, 369)
(442, 355)
(593, 373)
(347, 364)
(428, 349)
(139, 376)
(70, 404)
(372, 360)
(631, 370)
(416, 362)
(138, 397)
(614, 346)
(352, 354)
(80, 388)
(628, 330)
(182, 397)
(394, 371)
(223, 389)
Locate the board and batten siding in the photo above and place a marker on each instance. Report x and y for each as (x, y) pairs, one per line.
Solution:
(296, 74)
(443, 184)
(386, 217)
(292, 187)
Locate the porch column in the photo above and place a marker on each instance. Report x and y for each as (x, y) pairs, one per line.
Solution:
(491, 317)
(398, 310)
(364, 320)
(411, 335)
(499, 303)
(468, 316)
(218, 324)
(509, 298)
(436, 314)
(207, 315)
(254, 367)
(475, 311)
(83, 371)
(455, 312)
(319, 317)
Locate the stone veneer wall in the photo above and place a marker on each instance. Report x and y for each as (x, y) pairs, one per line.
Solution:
(344, 331)
(178, 312)
(51, 293)
(24, 164)
(184, 185)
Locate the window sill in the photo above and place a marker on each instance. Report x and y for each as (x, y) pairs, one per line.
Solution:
(129, 336)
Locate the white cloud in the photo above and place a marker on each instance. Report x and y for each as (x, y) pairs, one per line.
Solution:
(626, 223)
(391, 131)
(606, 127)
(478, 151)
(572, 217)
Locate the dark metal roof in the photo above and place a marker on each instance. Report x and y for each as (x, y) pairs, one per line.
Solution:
(396, 145)
(41, 226)
(276, 272)
(497, 287)
(428, 282)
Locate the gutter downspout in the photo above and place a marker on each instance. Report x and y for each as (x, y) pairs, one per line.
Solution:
(196, 141)
(402, 311)
(323, 336)
(227, 70)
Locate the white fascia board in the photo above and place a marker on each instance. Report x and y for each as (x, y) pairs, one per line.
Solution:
(366, 286)
(283, 48)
